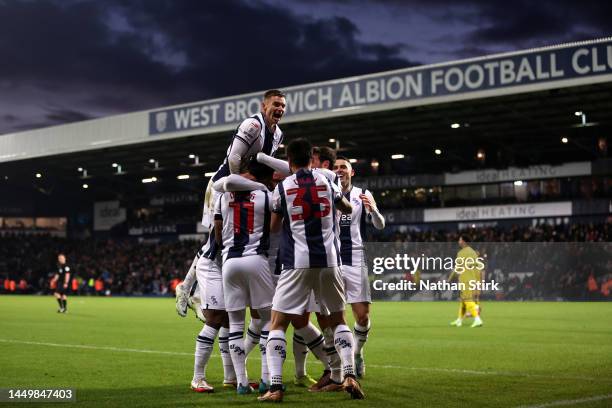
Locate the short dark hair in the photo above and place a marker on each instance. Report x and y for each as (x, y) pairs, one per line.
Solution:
(260, 171)
(325, 153)
(342, 158)
(273, 92)
(299, 152)
(465, 238)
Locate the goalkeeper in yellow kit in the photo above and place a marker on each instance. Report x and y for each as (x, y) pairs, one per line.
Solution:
(468, 268)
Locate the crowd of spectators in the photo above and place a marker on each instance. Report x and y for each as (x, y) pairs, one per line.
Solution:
(545, 262)
(125, 267)
(554, 268)
(590, 232)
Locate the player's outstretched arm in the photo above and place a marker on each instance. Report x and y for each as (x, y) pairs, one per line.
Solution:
(279, 165)
(235, 182)
(219, 185)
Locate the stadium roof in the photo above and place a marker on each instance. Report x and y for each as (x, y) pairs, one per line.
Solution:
(517, 107)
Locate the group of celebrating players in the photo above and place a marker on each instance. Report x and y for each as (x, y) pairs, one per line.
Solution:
(286, 239)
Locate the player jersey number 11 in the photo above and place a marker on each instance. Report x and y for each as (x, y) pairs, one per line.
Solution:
(242, 210)
(301, 201)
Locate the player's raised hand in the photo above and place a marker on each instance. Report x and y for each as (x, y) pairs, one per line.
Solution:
(367, 202)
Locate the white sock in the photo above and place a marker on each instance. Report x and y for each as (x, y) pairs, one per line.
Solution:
(314, 341)
(236, 346)
(276, 350)
(300, 352)
(190, 278)
(263, 340)
(229, 375)
(253, 333)
(343, 341)
(361, 336)
(203, 350)
(334, 364)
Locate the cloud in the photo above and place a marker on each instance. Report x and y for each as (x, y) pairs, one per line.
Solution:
(530, 24)
(66, 115)
(82, 59)
(253, 46)
(479, 27)
(76, 59)
(9, 118)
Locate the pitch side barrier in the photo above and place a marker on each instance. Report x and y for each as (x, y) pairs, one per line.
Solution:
(491, 213)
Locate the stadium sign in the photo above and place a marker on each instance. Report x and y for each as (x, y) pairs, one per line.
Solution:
(483, 176)
(107, 214)
(405, 216)
(498, 212)
(163, 229)
(175, 199)
(153, 230)
(394, 182)
(518, 173)
(524, 71)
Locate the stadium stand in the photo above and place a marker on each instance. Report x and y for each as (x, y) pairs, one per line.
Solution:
(521, 160)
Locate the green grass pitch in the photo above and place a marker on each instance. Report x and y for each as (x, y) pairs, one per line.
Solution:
(138, 352)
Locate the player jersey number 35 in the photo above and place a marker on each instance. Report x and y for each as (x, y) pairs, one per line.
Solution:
(305, 199)
(306, 202)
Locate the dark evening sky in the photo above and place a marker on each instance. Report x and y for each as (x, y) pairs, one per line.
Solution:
(64, 61)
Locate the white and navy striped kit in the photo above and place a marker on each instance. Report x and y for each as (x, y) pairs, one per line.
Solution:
(264, 141)
(353, 229)
(246, 226)
(274, 253)
(210, 249)
(307, 200)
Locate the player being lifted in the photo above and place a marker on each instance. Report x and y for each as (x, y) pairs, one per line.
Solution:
(352, 252)
(242, 226)
(259, 133)
(304, 206)
(61, 279)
